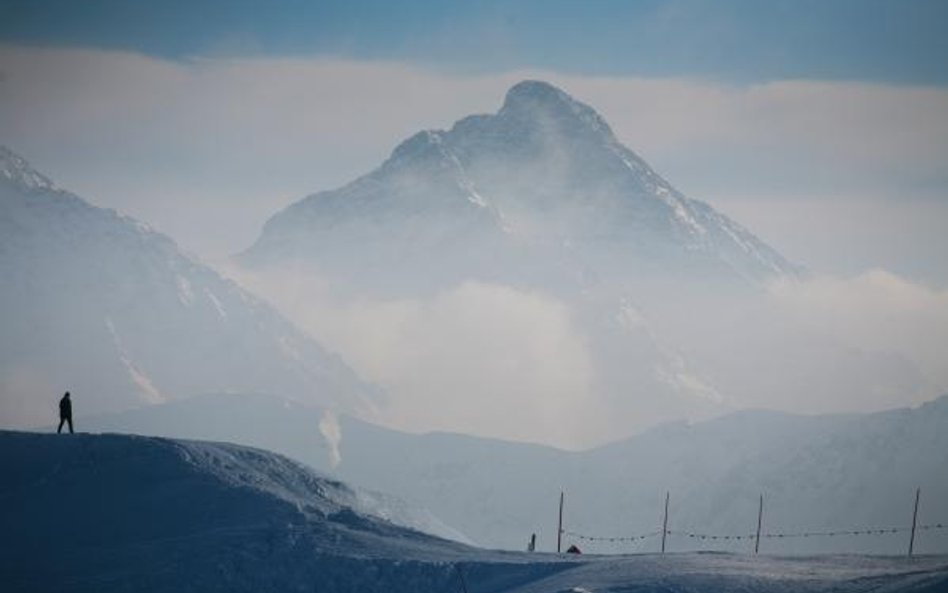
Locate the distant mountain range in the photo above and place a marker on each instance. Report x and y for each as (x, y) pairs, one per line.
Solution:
(816, 473)
(99, 304)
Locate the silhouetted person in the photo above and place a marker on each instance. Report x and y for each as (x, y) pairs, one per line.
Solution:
(65, 413)
(532, 546)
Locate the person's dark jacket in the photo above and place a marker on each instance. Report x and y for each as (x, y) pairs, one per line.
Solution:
(65, 408)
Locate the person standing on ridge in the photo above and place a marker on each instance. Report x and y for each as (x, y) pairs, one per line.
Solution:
(65, 413)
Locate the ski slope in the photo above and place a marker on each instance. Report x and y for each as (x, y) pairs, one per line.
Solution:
(127, 513)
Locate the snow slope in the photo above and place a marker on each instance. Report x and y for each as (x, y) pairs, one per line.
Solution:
(103, 306)
(709, 573)
(817, 473)
(123, 513)
(96, 513)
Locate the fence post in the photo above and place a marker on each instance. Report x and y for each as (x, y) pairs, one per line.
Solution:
(760, 516)
(559, 529)
(665, 522)
(918, 492)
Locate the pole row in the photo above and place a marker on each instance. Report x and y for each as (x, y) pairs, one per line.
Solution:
(756, 536)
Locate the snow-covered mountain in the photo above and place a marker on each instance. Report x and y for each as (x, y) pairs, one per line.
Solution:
(545, 176)
(539, 197)
(98, 304)
(120, 513)
(817, 473)
(664, 304)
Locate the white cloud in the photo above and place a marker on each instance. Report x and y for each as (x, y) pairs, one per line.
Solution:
(500, 362)
(475, 358)
(776, 136)
(875, 311)
(847, 234)
(491, 358)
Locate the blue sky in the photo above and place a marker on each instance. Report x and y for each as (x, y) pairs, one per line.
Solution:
(897, 41)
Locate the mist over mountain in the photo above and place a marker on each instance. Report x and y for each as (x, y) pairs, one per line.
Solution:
(101, 305)
(529, 265)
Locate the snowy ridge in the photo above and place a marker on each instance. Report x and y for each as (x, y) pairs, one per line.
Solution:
(295, 483)
(307, 490)
(16, 170)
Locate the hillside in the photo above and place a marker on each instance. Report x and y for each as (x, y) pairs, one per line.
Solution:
(95, 513)
(123, 513)
(817, 473)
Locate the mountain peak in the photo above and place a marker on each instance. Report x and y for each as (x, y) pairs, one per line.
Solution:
(546, 167)
(18, 170)
(535, 99)
(535, 91)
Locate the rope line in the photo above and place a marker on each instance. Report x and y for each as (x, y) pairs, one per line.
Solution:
(751, 536)
(624, 538)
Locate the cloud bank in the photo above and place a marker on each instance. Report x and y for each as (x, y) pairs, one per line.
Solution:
(476, 358)
(875, 311)
(496, 361)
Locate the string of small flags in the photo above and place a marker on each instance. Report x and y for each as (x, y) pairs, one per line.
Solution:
(709, 536)
(883, 531)
(751, 536)
(619, 539)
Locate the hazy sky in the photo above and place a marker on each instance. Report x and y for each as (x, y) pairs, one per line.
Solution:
(821, 126)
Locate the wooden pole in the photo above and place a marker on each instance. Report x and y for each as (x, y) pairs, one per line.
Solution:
(559, 529)
(665, 522)
(760, 516)
(918, 492)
